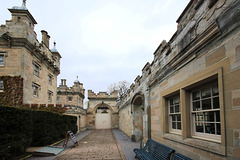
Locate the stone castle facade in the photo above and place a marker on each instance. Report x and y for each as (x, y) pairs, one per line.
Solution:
(28, 68)
(73, 98)
(188, 97)
(102, 112)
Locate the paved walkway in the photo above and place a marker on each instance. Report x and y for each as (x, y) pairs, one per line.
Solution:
(126, 144)
(69, 145)
(98, 144)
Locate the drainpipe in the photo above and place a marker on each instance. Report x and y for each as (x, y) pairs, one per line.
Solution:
(149, 113)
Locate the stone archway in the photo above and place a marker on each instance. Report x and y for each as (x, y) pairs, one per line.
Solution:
(103, 116)
(138, 110)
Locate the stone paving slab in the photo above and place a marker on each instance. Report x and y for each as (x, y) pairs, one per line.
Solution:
(48, 151)
(126, 144)
(96, 145)
(100, 144)
(70, 144)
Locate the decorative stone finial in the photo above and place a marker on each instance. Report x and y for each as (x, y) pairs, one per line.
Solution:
(24, 4)
(77, 81)
(54, 43)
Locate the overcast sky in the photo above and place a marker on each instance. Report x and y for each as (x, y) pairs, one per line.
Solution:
(102, 41)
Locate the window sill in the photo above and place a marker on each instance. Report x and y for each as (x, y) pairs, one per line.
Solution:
(203, 143)
(176, 132)
(207, 139)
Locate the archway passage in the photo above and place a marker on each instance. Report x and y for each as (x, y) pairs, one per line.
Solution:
(138, 109)
(103, 117)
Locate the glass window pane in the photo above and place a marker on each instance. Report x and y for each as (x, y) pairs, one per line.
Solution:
(171, 109)
(196, 106)
(206, 92)
(196, 95)
(218, 128)
(178, 117)
(199, 127)
(1, 57)
(209, 116)
(176, 100)
(174, 125)
(215, 91)
(199, 117)
(173, 118)
(35, 90)
(218, 116)
(177, 109)
(171, 101)
(216, 103)
(179, 125)
(1, 85)
(210, 128)
(206, 104)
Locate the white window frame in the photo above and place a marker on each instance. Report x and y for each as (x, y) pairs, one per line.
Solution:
(50, 96)
(50, 79)
(36, 69)
(3, 60)
(215, 137)
(69, 97)
(36, 89)
(58, 98)
(1, 86)
(170, 115)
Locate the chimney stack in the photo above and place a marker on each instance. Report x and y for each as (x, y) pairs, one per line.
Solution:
(45, 38)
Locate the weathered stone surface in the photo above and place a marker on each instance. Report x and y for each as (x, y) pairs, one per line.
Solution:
(22, 50)
(102, 103)
(204, 49)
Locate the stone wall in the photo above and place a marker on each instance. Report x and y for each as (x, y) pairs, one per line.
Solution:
(22, 51)
(203, 53)
(105, 100)
(70, 96)
(125, 120)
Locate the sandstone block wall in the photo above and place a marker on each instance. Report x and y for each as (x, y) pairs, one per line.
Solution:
(204, 50)
(21, 50)
(102, 99)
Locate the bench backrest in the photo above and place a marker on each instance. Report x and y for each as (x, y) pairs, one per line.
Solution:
(157, 150)
(178, 156)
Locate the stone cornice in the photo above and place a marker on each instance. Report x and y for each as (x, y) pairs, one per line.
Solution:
(98, 98)
(70, 93)
(21, 11)
(33, 50)
(210, 34)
